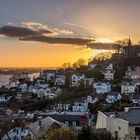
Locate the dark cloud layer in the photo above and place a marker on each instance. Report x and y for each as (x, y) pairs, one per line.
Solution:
(27, 34)
(54, 40)
(100, 46)
(15, 31)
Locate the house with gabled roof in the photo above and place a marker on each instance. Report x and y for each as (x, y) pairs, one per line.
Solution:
(42, 126)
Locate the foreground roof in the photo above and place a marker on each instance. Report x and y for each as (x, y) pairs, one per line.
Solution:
(132, 115)
(46, 124)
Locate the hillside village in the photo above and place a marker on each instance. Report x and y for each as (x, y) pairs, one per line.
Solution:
(103, 95)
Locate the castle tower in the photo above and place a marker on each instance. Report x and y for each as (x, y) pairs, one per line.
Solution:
(129, 43)
(128, 48)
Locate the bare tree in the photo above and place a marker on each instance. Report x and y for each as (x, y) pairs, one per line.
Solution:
(81, 62)
(118, 45)
(66, 65)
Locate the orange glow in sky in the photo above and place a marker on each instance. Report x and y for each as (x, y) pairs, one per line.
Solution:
(47, 28)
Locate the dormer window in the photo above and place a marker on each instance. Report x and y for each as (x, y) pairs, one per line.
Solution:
(74, 123)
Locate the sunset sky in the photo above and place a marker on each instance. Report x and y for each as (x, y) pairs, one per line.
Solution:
(47, 33)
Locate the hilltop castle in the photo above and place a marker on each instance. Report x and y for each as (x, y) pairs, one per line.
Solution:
(131, 50)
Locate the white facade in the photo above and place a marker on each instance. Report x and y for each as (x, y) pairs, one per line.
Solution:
(109, 72)
(76, 80)
(120, 128)
(133, 73)
(41, 93)
(136, 101)
(33, 89)
(82, 107)
(109, 75)
(44, 85)
(91, 100)
(49, 74)
(4, 98)
(61, 106)
(102, 88)
(127, 88)
(60, 81)
(114, 125)
(23, 87)
(112, 98)
(52, 93)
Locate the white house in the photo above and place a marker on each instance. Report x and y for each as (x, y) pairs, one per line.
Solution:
(17, 134)
(77, 79)
(51, 93)
(41, 93)
(60, 78)
(109, 72)
(102, 88)
(49, 75)
(33, 89)
(23, 87)
(60, 81)
(63, 106)
(4, 98)
(124, 125)
(135, 99)
(133, 73)
(82, 107)
(128, 87)
(48, 93)
(91, 100)
(112, 97)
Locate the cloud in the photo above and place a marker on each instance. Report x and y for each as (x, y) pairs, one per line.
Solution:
(45, 29)
(35, 25)
(32, 24)
(62, 31)
(76, 25)
(14, 31)
(59, 40)
(33, 31)
(100, 46)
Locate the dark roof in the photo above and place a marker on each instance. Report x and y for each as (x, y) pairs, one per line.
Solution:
(132, 116)
(65, 117)
(113, 93)
(100, 130)
(2, 112)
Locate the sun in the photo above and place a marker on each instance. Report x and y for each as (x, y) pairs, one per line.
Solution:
(104, 41)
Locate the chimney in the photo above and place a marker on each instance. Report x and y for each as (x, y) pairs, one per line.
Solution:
(126, 109)
(39, 122)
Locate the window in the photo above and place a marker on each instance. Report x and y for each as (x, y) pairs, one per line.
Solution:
(74, 123)
(119, 128)
(116, 134)
(67, 123)
(137, 131)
